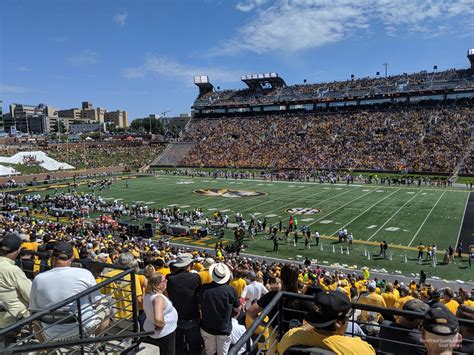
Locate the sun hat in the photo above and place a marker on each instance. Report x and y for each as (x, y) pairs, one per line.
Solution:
(220, 273)
(208, 262)
(183, 260)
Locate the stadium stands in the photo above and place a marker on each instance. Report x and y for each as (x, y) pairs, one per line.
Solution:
(426, 139)
(363, 87)
(104, 155)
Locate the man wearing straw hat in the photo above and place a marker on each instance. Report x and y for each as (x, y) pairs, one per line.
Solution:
(217, 301)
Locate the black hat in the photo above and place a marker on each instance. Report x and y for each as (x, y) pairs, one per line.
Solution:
(329, 306)
(63, 250)
(10, 243)
(439, 320)
(415, 305)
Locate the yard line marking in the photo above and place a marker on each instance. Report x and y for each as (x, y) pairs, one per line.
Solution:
(273, 200)
(462, 219)
(388, 220)
(429, 213)
(368, 209)
(337, 209)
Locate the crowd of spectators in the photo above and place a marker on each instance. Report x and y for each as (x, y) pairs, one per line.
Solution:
(89, 156)
(98, 156)
(193, 301)
(356, 87)
(427, 139)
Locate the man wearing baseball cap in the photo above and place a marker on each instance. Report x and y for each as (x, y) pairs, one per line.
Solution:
(61, 282)
(440, 332)
(467, 345)
(15, 287)
(217, 301)
(404, 332)
(325, 326)
(373, 299)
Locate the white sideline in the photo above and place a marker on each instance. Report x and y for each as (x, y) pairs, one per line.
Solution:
(462, 219)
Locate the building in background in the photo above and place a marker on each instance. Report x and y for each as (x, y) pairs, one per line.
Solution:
(43, 119)
(27, 118)
(118, 118)
(78, 128)
(175, 124)
(96, 115)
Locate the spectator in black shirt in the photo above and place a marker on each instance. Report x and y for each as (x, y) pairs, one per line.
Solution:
(218, 300)
(405, 330)
(183, 290)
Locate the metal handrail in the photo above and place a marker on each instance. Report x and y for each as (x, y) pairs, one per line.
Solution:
(77, 342)
(66, 302)
(277, 302)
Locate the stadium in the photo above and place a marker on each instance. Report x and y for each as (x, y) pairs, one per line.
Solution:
(317, 218)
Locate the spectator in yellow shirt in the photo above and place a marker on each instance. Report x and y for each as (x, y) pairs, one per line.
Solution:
(204, 274)
(122, 293)
(326, 324)
(404, 297)
(238, 283)
(161, 267)
(373, 299)
(389, 296)
(421, 249)
(447, 298)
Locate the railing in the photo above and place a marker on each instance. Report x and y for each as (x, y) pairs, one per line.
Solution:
(263, 336)
(103, 318)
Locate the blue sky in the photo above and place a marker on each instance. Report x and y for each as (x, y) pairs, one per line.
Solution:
(140, 55)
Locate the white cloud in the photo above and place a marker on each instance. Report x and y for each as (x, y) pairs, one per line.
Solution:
(292, 25)
(23, 69)
(249, 5)
(120, 18)
(85, 57)
(12, 89)
(168, 67)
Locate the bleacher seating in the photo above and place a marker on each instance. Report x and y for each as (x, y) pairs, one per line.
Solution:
(429, 139)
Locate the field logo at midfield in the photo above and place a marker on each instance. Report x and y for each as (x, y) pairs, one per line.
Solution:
(302, 210)
(229, 193)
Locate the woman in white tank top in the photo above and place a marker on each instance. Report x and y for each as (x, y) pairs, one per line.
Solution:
(161, 316)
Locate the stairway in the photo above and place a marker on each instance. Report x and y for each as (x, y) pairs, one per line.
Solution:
(173, 153)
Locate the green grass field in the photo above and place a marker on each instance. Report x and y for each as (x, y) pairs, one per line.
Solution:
(403, 216)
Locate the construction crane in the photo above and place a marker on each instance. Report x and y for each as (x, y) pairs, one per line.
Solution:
(165, 112)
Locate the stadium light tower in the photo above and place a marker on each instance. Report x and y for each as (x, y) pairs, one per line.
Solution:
(470, 56)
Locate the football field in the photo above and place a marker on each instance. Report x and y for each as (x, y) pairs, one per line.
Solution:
(402, 216)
